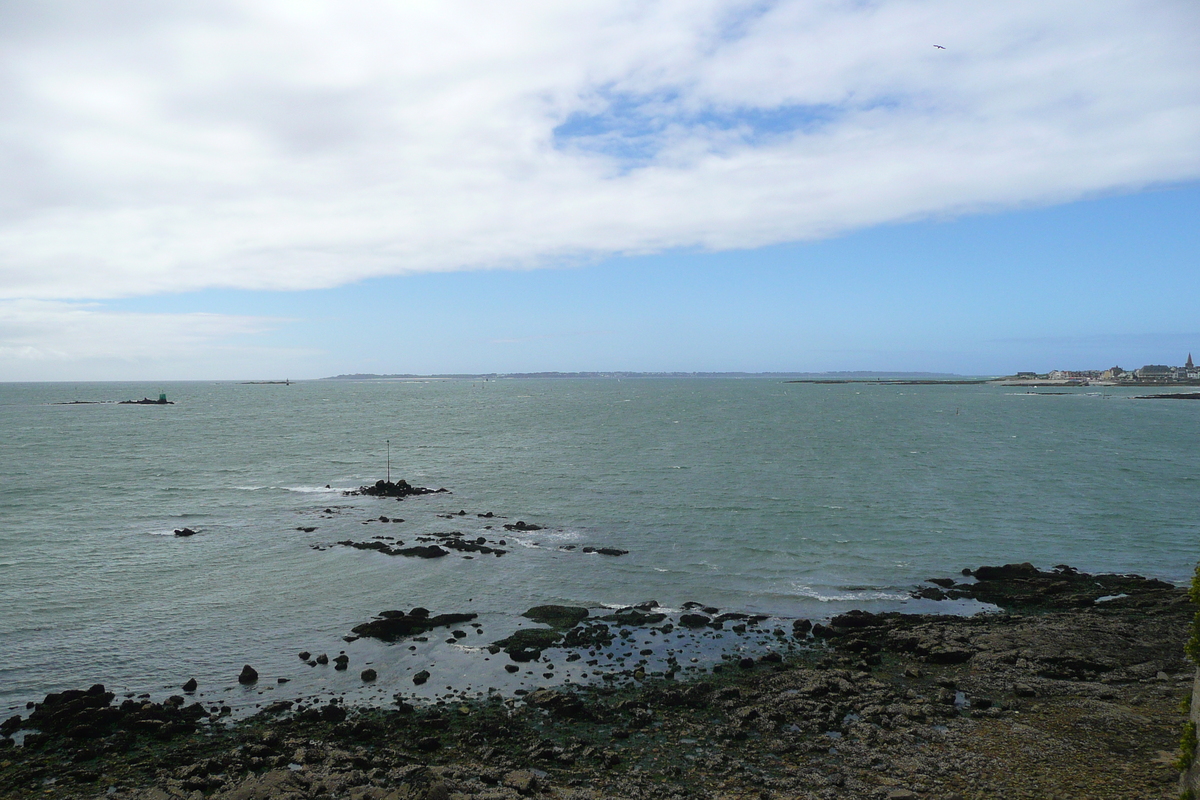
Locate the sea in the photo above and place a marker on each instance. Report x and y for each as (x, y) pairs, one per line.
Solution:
(751, 495)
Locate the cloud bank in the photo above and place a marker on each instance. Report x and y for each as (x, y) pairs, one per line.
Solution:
(153, 147)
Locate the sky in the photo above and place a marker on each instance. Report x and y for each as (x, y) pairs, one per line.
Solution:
(260, 190)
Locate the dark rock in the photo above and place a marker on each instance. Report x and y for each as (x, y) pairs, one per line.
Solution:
(184, 532)
(631, 616)
(421, 677)
(322, 659)
(369, 674)
(605, 551)
(801, 627)
(693, 620)
(521, 525)
(529, 641)
(561, 617)
(248, 675)
(418, 551)
(1006, 572)
(305, 655)
(333, 713)
(855, 619)
(399, 489)
(190, 686)
(392, 628)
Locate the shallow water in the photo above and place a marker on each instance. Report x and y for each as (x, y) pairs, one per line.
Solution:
(795, 500)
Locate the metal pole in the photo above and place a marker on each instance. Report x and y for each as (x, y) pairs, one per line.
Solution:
(389, 478)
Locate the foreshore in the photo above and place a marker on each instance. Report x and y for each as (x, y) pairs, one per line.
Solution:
(1073, 690)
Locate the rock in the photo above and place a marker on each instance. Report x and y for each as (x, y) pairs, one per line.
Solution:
(801, 627)
(305, 655)
(369, 674)
(333, 713)
(1008, 571)
(524, 781)
(190, 686)
(390, 628)
(631, 616)
(399, 489)
(1023, 690)
(855, 619)
(277, 784)
(694, 620)
(184, 532)
(605, 551)
(248, 675)
(560, 704)
(521, 525)
(507, 668)
(437, 791)
(561, 617)
(322, 659)
(421, 677)
(901, 794)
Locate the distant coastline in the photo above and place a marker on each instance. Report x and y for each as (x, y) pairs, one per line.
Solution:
(797, 377)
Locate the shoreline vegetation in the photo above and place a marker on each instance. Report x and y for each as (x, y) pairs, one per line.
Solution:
(1073, 689)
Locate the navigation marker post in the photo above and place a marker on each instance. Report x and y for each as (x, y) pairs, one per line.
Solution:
(389, 443)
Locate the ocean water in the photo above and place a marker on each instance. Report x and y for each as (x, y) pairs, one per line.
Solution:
(794, 500)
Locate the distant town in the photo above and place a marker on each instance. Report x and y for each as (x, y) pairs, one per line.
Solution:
(1187, 375)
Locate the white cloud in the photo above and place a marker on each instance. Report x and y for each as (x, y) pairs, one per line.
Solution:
(40, 339)
(151, 147)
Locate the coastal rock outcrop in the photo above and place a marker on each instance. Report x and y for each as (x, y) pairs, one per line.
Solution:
(1024, 586)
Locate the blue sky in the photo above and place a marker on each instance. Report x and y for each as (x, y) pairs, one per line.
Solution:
(300, 190)
(1082, 285)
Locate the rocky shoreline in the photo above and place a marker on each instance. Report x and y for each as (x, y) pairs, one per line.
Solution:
(1073, 690)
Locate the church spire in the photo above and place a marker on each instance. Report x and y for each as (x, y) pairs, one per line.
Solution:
(1189, 364)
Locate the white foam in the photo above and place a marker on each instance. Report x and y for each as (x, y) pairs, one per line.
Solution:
(808, 591)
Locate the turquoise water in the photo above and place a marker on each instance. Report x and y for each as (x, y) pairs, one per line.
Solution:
(750, 495)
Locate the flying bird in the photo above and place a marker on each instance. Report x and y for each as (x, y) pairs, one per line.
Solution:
(939, 47)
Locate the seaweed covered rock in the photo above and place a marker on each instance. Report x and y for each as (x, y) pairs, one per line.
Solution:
(561, 617)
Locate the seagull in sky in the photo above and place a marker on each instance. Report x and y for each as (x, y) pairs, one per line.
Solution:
(939, 47)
